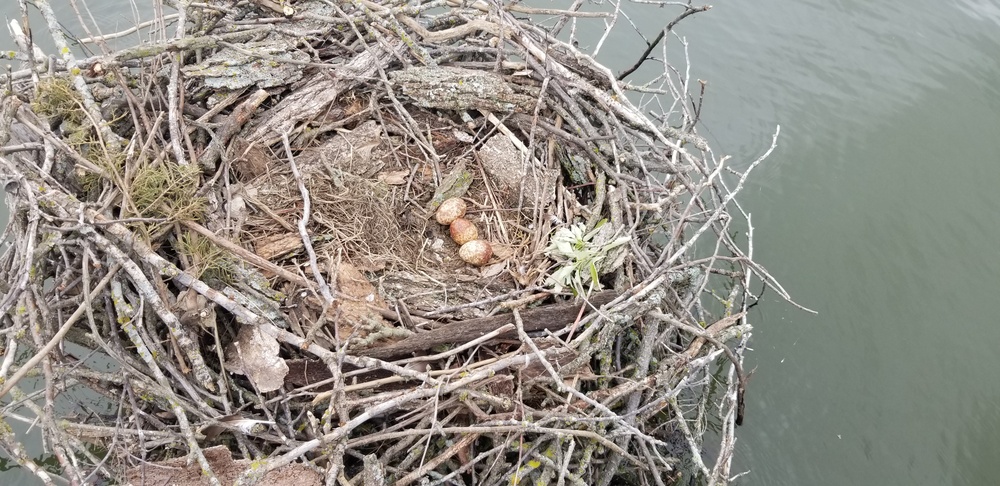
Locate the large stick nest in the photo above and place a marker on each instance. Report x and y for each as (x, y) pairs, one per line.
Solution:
(224, 249)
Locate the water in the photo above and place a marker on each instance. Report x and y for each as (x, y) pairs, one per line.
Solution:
(878, 210)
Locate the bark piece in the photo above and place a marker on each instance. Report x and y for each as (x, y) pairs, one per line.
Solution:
(255, 354)
(322, 89)
(460, 89)
(552, 317)
(260, 64)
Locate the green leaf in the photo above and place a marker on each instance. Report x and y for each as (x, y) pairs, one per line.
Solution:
(594, 281)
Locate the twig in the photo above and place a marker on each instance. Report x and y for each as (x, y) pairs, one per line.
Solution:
(128, 31)
(553, 317)
(92, 108)
(324, 288)
(733, 358)
(691, 440)
(562, 388)
(689, 10)
(239, 117)
(58, 336)
(322, 397)
(437, 461)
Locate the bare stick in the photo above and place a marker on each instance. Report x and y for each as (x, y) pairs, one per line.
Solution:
(58, 336)
(324, 288)
(689, 10)
(437, 461)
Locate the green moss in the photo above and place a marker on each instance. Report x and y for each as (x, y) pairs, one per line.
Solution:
(207, 259)
(57, 98)
(58, 102)
(167, 190)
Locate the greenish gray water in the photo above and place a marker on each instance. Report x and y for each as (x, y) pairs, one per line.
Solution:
(878, 210)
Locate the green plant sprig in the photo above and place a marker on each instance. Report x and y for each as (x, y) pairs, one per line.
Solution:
(577, 255)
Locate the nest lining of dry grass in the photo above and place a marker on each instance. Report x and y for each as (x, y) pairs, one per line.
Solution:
(295, 305)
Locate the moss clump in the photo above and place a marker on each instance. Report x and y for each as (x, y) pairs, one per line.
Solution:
(61, 105)
(207, 260)
(57, 100)
(167, 191)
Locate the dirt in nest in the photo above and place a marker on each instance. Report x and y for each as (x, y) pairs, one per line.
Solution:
(372, 194)
(177, 472)
(354, 204)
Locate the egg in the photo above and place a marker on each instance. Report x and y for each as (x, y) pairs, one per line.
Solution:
(450, 210)
(463, 231)
(476, 252)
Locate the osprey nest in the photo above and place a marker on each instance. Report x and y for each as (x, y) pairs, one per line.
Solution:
(365, 242)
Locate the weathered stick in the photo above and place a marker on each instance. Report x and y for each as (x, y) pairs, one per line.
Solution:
(552, 317)
(57, 338)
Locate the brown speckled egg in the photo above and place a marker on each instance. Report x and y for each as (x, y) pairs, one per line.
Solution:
(476, 252)
(463, 231)
(450, 210)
